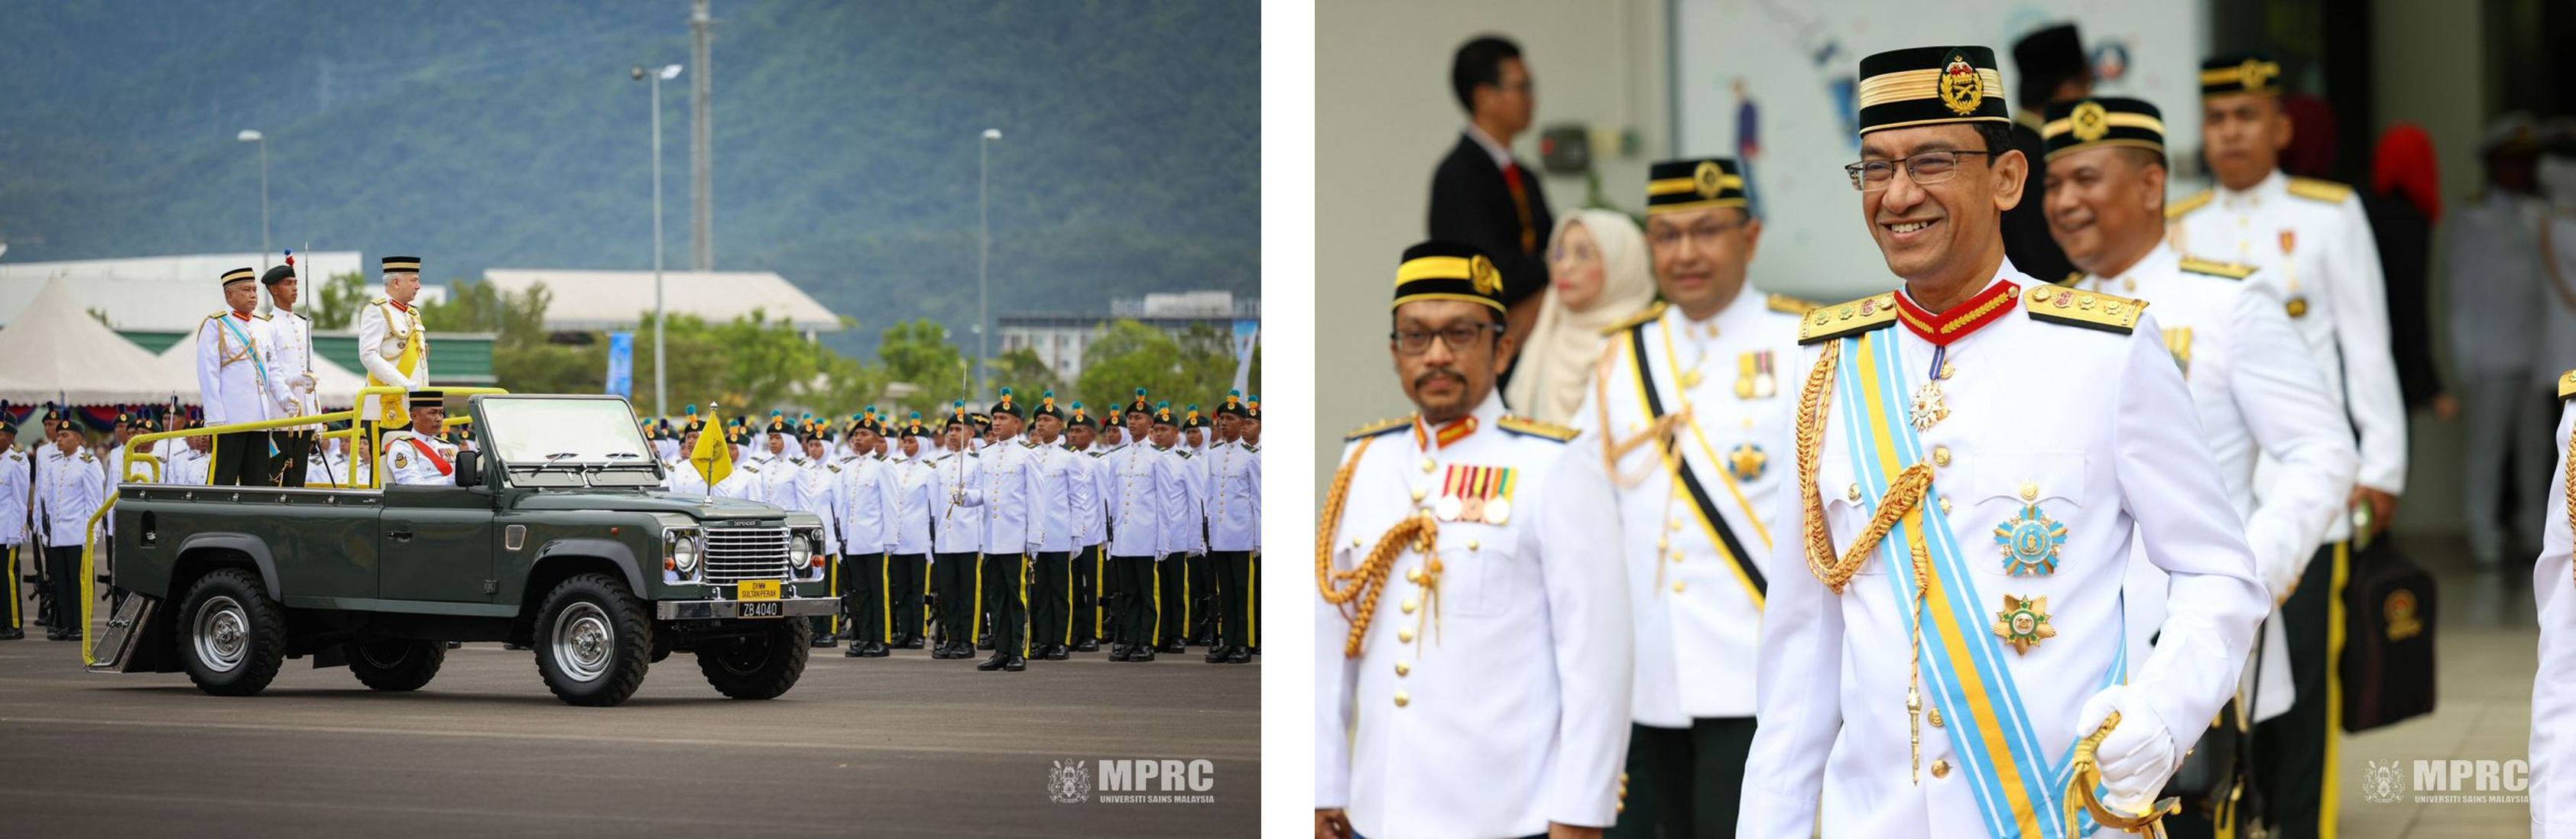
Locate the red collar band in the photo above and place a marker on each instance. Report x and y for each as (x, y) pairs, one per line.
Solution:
(1970, 315)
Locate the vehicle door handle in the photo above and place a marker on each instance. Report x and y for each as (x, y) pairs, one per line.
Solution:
(399, 535)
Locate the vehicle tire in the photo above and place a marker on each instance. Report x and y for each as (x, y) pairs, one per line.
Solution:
(395, 664)
(594, 640)
(231, 636)
(760, 666)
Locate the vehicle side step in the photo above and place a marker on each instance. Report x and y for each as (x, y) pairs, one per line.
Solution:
(115, 647)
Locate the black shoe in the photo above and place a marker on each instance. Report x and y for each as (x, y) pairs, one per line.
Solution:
(992, 663)
(1141, 653)
(12, 634)
(1175, 648)
(855, 651)
(915, 643)
(1088, 645)
(57, 635)
(1215, 655)
(945, 651)
(455, 644)
(1239, 656)
(826, 642)
(1118, 652)
(1256, 650)
(1058, 653)
(1015, 664)
(876, 650)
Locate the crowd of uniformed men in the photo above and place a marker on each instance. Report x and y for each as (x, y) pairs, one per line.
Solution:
(1032, 531)
(1983, 554)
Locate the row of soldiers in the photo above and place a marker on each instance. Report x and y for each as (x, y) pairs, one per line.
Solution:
(1031, 531)
(1915, 554)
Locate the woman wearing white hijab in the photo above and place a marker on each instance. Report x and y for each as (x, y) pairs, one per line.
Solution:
(1599, 274)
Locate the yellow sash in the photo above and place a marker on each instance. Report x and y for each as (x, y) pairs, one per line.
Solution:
(390, 405)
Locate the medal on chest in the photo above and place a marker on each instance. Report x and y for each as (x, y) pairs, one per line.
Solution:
(2030, 539)
(2023, 623)
(1475, 494)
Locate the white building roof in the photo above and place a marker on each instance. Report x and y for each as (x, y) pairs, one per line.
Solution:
(163, 293)
(613, 299)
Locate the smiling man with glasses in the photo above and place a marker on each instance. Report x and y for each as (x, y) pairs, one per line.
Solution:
(1472, 646)
(1949, 619)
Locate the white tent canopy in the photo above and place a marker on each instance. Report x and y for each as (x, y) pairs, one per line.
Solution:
(55, 351)
(336, 387)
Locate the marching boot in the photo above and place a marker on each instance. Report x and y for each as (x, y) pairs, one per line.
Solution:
(993, 663)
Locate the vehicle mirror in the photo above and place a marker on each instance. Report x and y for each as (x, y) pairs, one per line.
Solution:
(469, 468)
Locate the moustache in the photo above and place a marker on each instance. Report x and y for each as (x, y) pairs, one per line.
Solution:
(1426, 378)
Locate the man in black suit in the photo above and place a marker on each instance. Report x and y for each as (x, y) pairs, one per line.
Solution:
(2053, 69)
(1482, 197)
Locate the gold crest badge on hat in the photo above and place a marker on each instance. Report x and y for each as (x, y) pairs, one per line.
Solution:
(1959, 86)
(1481, 271)
(2089, 121)
(1708, 179)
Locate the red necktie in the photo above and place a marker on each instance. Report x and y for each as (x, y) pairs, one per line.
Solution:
(1520, 202)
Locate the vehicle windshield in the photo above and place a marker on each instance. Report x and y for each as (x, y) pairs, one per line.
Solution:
(569, 436)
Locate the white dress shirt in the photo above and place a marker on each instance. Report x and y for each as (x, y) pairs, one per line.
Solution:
(231, 350)
(1500, 704)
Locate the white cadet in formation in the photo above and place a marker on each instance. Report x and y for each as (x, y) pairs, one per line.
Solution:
(393, 345)
(1695, 406)
(1472, 651)
(2553, 688)
(2251, 377)
(1972, 475)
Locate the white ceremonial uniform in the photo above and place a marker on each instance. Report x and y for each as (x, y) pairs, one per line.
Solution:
(67, 494)
(778, 477)
(330, 468)
(2314, 249)
(681, 476)
(817, 490)
(1008, 474)
(1233, 496)
(2054, 443)
(866, 494)
(187, 466)
(2499, 292)
(230, 355)
(1142, 490)
(385, 331)
(1091, 519)
(954, 529)
(909, 487)
(1059, 481)
(408, 464)
(290, 367)
(1183, 531)
(2258, 394)
(1696, 582)
(14, 489)
(2553, 687)
(744, 482)
(1499, 703)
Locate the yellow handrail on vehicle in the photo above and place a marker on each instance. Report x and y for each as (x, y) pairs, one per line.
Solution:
(89, 537)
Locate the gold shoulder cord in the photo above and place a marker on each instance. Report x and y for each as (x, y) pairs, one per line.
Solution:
(1357, 590)
(1660, 430)
(1902, 494)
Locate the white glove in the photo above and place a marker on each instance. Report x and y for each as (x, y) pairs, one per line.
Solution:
(2281, 574)
(2138, 757)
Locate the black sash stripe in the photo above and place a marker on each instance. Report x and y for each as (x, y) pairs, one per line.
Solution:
(1690, 479)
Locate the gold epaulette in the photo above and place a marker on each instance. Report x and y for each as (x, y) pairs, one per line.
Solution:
(2088, 309)
(1254, 448)
(1527, 427)
(2567, 384)
(1791, 305)
(1379, 427)
(2072, 277)
(1643, 316)
(1865, 314)
(2214, 268)
(2197, 200)
(379, 301)
(2317, 190)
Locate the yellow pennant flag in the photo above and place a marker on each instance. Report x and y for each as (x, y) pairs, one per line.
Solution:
(712, 458)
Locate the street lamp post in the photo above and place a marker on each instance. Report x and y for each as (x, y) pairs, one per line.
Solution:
(260, 140)
(983, 258)
(661, 392)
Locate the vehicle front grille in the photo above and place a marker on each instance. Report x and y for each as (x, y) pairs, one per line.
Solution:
(746, 553)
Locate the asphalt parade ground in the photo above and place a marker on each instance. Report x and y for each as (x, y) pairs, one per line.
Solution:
(902, 745)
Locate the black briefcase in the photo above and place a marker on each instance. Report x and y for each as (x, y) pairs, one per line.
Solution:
(2387, 666)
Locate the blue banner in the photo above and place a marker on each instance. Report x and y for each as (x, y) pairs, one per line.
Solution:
(621, 363)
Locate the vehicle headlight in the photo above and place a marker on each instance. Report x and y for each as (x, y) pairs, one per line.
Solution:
(800, 553)
(680, 551)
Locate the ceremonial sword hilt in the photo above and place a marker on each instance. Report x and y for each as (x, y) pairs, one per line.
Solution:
(2085, 772)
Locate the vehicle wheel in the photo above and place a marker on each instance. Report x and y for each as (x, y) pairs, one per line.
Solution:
(760, 666)
(395, 664)
(594, 641)
(232, 637)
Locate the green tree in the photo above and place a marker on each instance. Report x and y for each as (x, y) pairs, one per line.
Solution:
(335, 304)
(1029, 377)
(917, 353)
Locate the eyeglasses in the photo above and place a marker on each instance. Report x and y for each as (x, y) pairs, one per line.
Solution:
(1459, 336)
(1703, 235)
(1930, 167)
